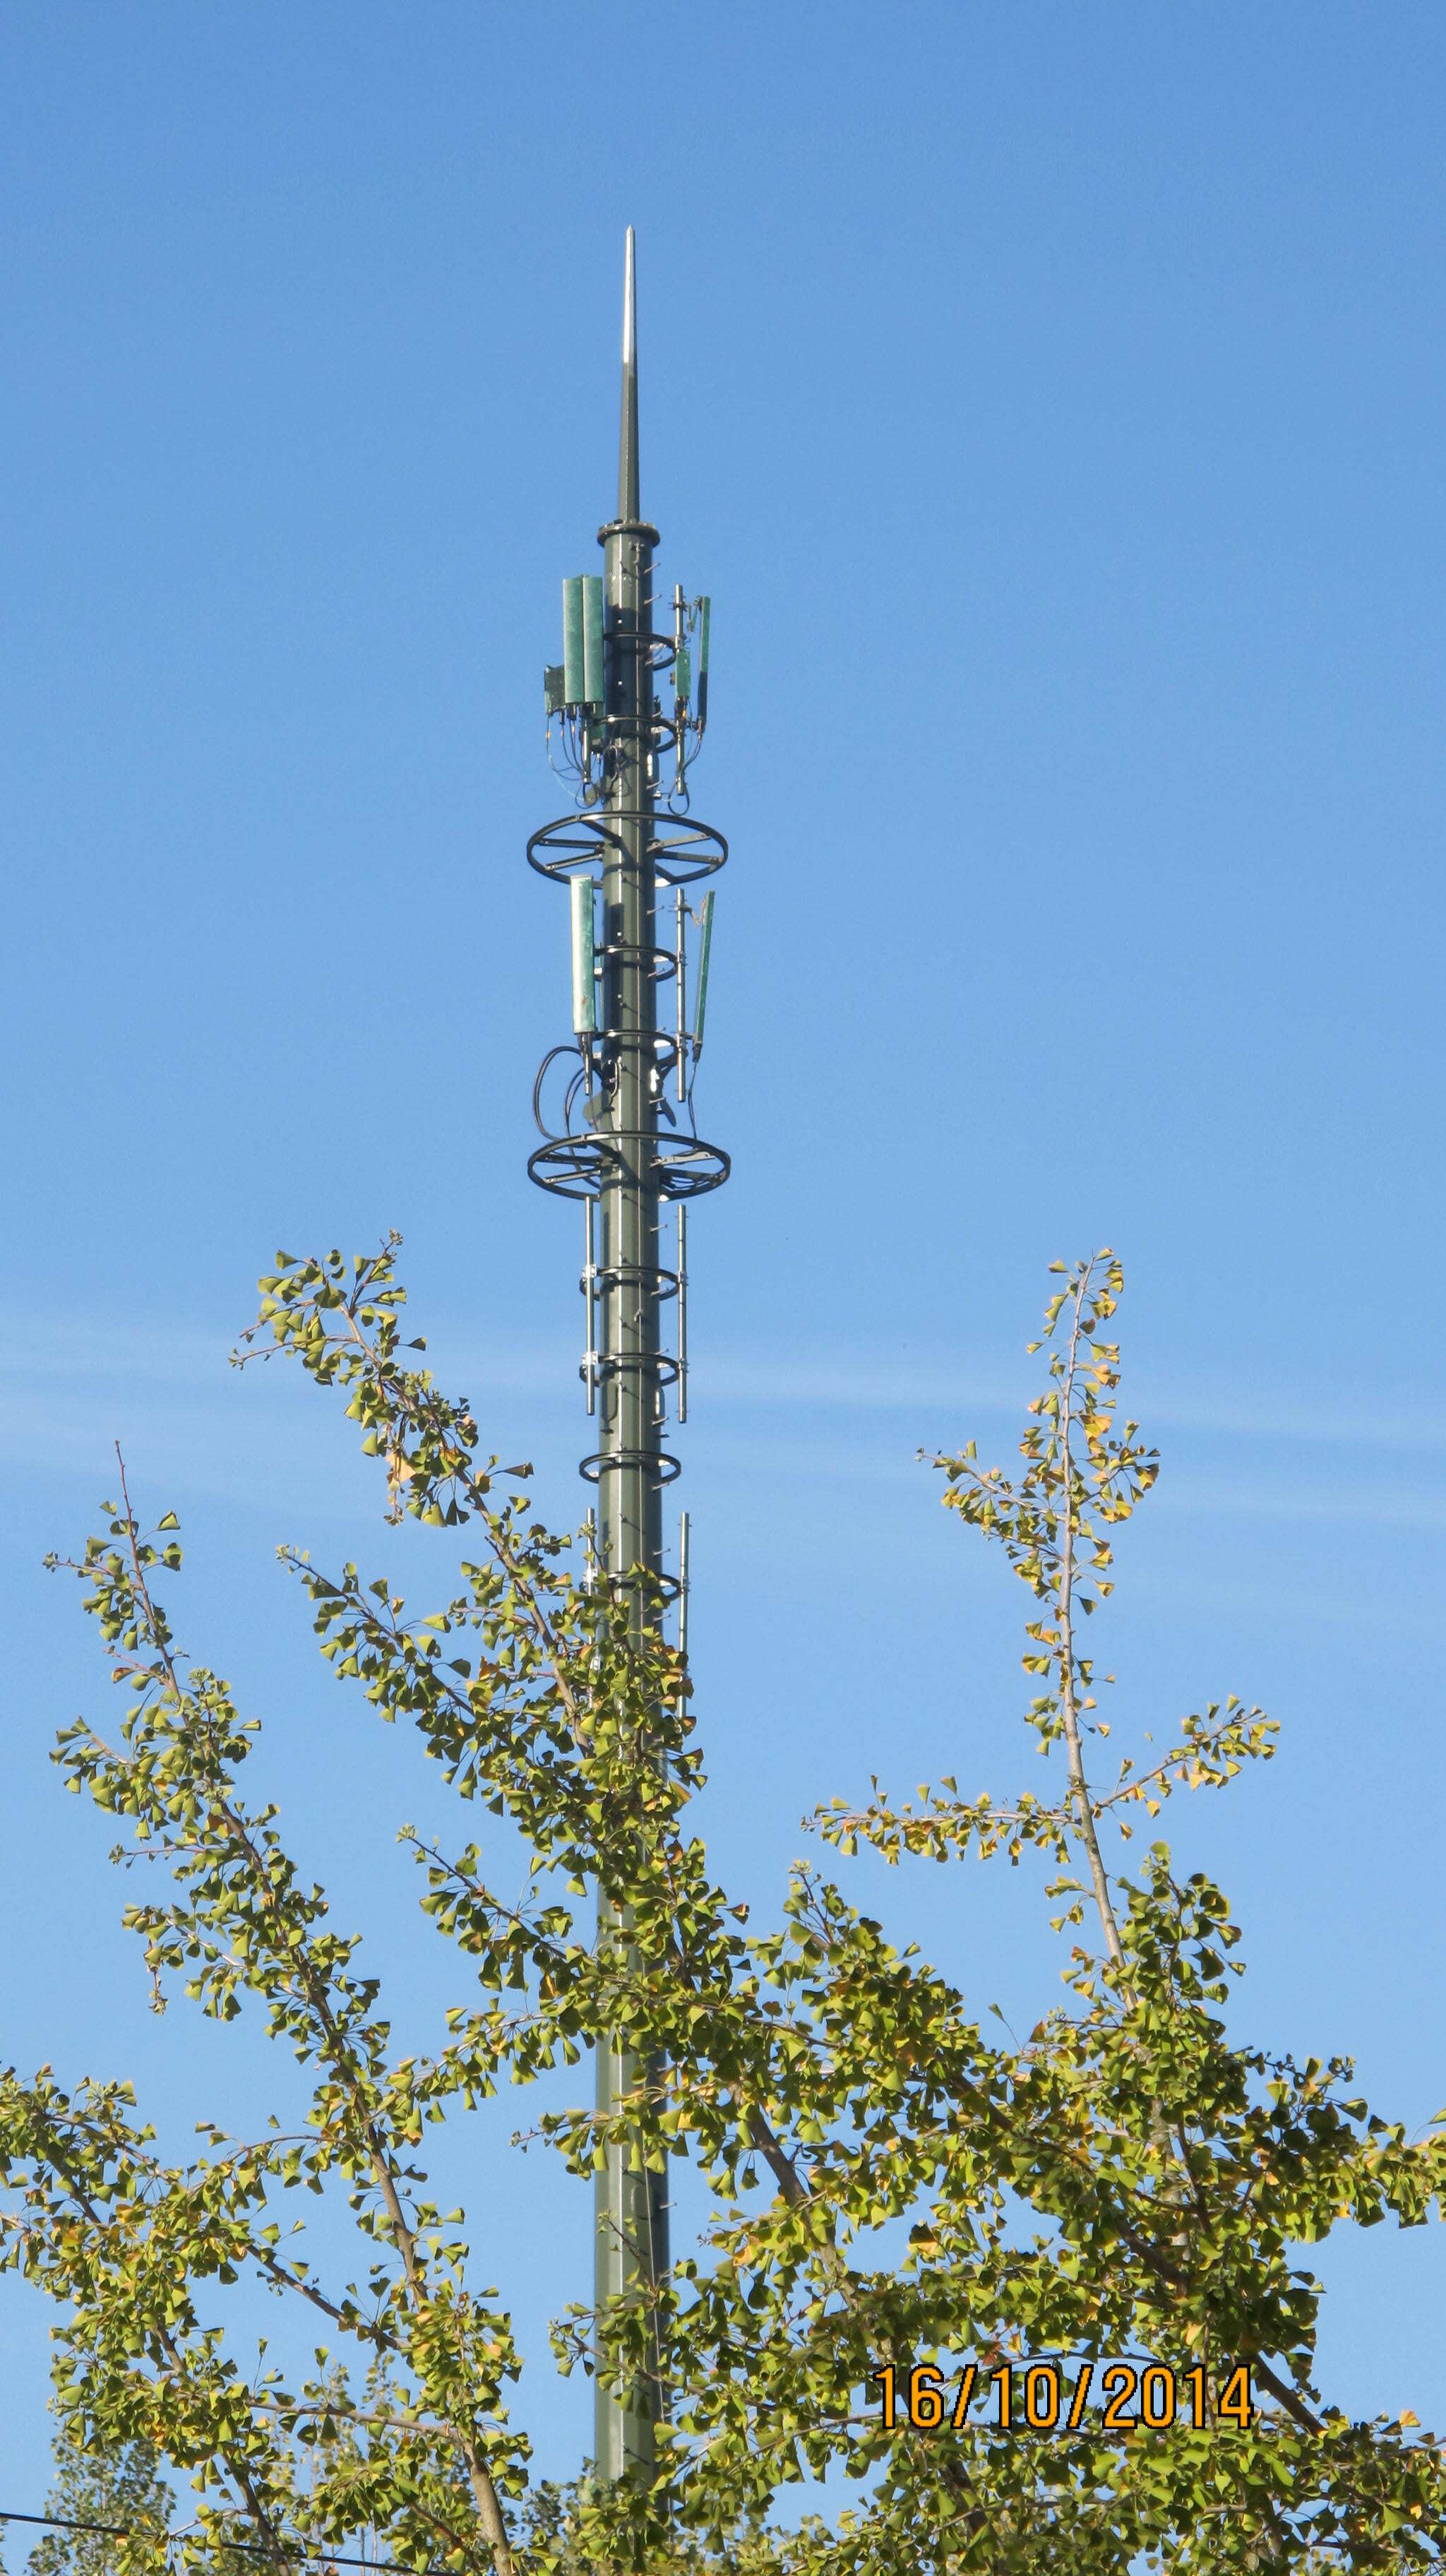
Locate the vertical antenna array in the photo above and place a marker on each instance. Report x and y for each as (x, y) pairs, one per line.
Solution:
(625, 718)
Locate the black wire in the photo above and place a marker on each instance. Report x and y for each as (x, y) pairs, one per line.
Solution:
(248, 2548)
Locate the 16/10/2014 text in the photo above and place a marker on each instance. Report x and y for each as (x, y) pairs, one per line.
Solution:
(1041, 2397)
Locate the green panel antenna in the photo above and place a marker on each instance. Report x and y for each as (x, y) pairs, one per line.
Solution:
(584, 959)
(705, 952)
(573, 664)
(593, 686)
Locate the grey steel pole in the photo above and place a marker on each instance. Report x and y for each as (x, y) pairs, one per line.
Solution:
(613, 851)
(632, 2210)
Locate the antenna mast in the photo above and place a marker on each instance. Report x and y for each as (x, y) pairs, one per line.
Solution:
(624, 720)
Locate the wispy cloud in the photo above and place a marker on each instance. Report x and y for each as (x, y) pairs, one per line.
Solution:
(71, 1383)
(1350, 1506)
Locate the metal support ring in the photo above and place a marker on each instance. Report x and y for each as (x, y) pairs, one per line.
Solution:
(687, 1167)
(572, 1167)
(608, 1462)
(668, 1585)
(643, 1277)
(692, 850)
(664, 960)
(659, 1364)
(579, 1167)
(573, 842)
(680, 856)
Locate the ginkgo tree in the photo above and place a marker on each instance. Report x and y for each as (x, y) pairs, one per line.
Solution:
(1039, 2306)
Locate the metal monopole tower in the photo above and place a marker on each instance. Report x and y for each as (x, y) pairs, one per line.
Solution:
(614, 1103)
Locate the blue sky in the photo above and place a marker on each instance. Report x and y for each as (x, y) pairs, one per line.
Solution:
(1052, 401)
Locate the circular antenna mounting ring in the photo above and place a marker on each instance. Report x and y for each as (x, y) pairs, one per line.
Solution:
(573, 1167)
(683, 850)
(575, 843)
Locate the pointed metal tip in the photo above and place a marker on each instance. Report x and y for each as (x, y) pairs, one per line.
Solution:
(629, 502)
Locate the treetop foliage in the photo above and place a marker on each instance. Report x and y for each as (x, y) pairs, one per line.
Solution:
(887, 2187)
